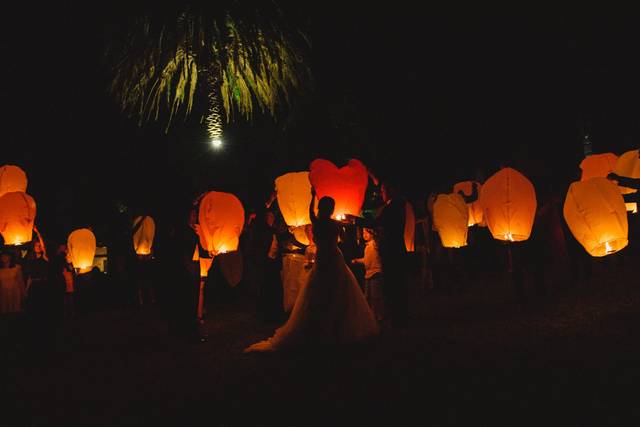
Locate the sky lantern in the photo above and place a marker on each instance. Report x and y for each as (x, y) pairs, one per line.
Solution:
(595, 213)
(300, 234)
(450, 219)
(145, 229)
(409, 228)
(294, 196)
(475, 209)
(346, 185)
(628, 165)
(81, 246)
(12, 178)
(221, 219)
(17, 214)
(205, 263)
(597, 165)
(508, 200)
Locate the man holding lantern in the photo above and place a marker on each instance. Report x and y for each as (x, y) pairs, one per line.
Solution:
(634, 197)
(389, 227)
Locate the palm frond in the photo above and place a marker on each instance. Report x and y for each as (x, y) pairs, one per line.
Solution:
(255, 64)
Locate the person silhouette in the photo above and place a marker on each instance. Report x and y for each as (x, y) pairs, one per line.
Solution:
(330, 307)
(389, 225)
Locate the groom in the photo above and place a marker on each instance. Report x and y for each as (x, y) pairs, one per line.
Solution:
(389, 225)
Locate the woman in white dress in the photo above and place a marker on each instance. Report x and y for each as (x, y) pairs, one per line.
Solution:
(330, 307)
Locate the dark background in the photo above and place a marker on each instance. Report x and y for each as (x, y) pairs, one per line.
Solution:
(429, 96)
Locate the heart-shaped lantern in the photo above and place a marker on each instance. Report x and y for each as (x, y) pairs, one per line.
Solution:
(346, 185)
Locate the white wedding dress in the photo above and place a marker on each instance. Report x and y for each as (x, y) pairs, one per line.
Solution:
(330, 307)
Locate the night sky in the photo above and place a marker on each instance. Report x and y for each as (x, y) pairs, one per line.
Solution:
(428, 96)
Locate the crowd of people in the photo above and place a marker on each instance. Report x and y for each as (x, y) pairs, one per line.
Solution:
(357, 272)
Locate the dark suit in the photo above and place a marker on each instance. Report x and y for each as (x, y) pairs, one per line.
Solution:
(179, 283)
(389, 226)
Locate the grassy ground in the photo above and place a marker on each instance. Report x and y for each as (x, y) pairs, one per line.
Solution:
(470, 357)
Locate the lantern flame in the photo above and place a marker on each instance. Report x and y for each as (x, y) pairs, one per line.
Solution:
(18, 240)
(608, 247)
(508, 237)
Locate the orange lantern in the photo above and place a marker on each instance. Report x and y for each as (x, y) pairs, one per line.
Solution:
(475, 209)
(597, 165)
(508, 200)
(205, 263)
(294, 196)
(12, 178)
(81, 246)
(221, 219)
(346, 185)
(300, 234)
(17, 214)
(450, 219)
(595, 213)
(409, 227)
(143, 237)
(628, 165)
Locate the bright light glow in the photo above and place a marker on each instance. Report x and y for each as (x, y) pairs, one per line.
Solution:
(19, 240)
(216, 143)
(341, 217)
(508, 237)
(608, 247)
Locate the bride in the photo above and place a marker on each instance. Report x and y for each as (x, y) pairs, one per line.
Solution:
(330, 307)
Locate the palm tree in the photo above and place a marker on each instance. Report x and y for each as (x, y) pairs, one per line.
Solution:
(224, 56)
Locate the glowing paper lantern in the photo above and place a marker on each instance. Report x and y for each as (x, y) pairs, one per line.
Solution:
(17, 214)
(143, 237)
(595, 213)
(409, 228)
(597, 165)
(221, 219)
(300, 233)
(628, 165)
(205, 263)
(81, 246)
(346, 185)
(12, 178)
(450, 219)
(508, 200)
(294, 196)
(475, 209)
